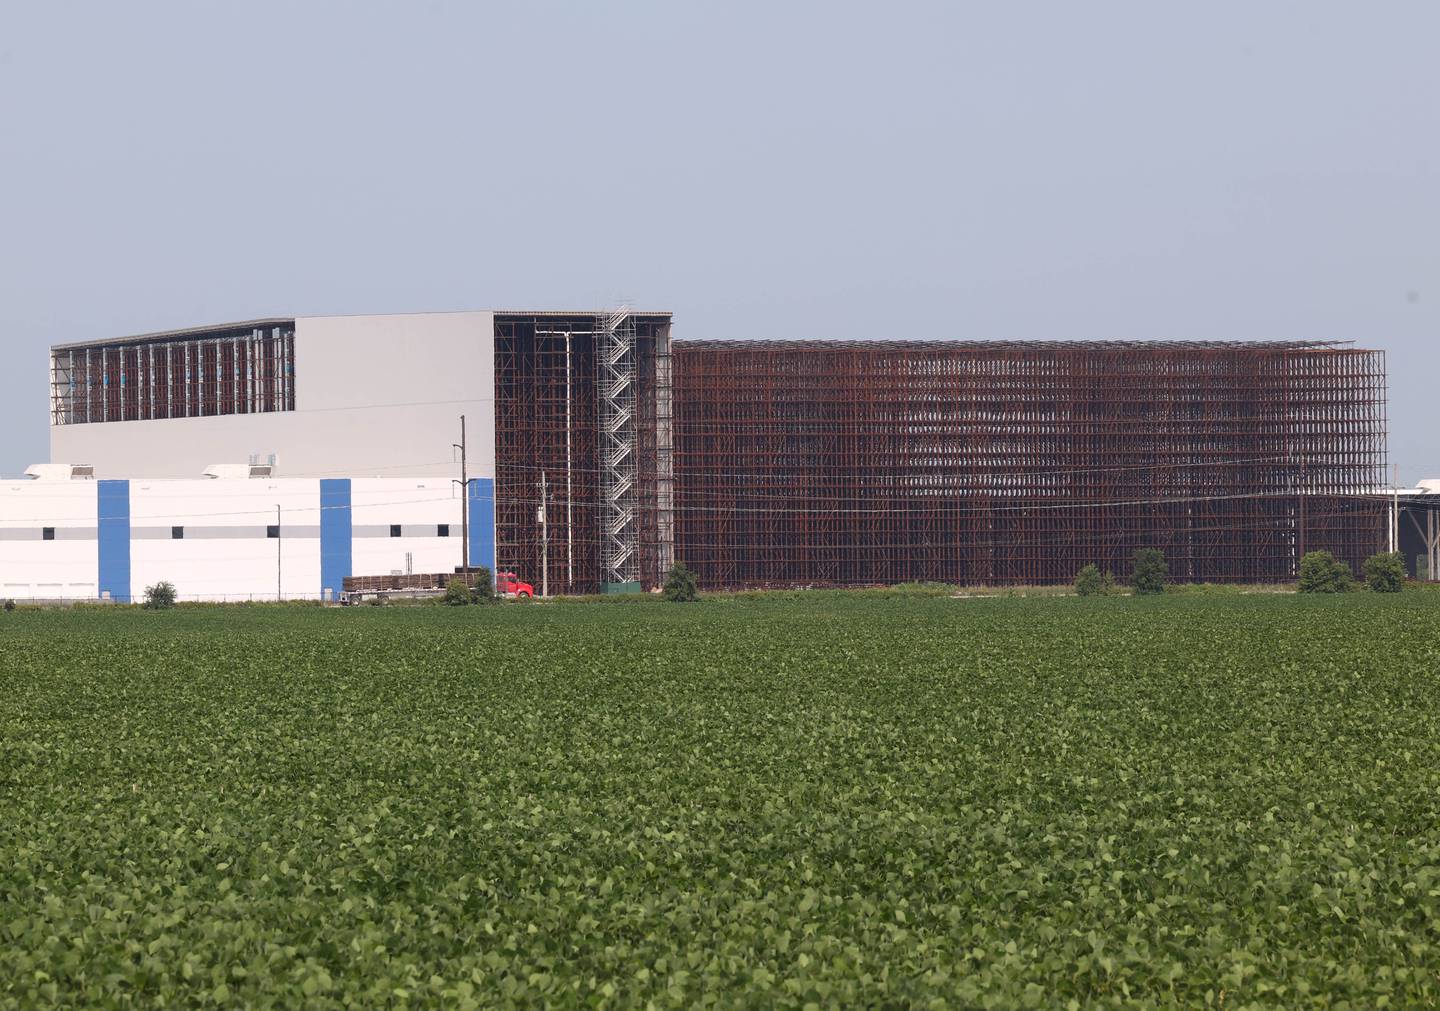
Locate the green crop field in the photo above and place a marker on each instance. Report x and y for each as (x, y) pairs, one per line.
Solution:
(822, 800)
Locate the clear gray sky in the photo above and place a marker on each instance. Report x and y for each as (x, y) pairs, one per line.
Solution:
(980, 170)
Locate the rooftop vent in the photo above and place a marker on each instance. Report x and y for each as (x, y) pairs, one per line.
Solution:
(60, 472)
(238, 471)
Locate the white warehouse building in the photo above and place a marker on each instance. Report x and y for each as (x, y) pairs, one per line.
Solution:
(279, 456)
(226, 539)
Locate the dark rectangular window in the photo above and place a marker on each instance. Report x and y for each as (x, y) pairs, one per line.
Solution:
(442, 530)
(395, 530)
(47, 533)
(272, 531)
(177, 533)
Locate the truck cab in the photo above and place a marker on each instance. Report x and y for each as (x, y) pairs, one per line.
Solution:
(507, 585)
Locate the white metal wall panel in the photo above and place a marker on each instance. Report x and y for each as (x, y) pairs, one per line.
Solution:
(225, 552)
(32, 567)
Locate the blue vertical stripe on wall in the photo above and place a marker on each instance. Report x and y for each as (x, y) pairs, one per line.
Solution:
(482, 522)
(113, 525)
(336, 536)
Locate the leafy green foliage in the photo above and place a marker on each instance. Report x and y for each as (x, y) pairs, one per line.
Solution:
(1149, 571)
(1322, 572)
(842, 801)
(680, 584)
(483, 592)
(1091, 582)
(1385, 572)
(160, 597)
(457, 594)
(9, 604)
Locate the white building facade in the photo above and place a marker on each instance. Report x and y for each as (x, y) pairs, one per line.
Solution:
(172, 451)
(329, 441)
(231, 540)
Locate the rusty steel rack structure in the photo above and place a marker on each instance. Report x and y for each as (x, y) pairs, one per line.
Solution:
(582, 412)
(843, 463)
(243, 368)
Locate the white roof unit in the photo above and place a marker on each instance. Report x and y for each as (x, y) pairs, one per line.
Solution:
(60, 472)
(238, 471)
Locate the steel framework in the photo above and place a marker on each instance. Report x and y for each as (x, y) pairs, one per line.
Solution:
(249, 369)
(851, 463)
(583, 400)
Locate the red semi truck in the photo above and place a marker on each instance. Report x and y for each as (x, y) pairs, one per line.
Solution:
(362, 588)
(507, 585)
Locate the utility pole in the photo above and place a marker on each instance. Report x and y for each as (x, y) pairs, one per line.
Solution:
(1395, 511)
(569, 515)
(278, 593)
(464, 483)
(544, 542)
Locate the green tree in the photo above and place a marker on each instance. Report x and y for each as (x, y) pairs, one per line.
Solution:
(483, 592)
(1385, 572)
(680, 584)
(1322, 572)
(160, 597)
(1091, 582)
(457, 594)
(1150, 571)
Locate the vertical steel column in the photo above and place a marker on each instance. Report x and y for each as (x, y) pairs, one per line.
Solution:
(1427, 541)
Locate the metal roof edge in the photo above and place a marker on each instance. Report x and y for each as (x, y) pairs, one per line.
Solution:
(189, 331)
(269, 321)
(934, 344)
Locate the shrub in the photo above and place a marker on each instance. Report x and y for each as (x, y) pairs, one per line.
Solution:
(457, 594)
(483, 591)
(1322, 572)
(1091, 582)
(1151, 570)
(160, 597)
(9, 604)
(680, 584)
(1385, 572)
